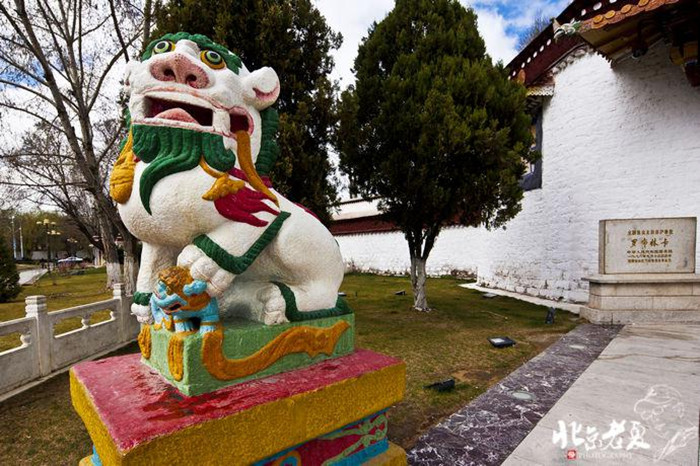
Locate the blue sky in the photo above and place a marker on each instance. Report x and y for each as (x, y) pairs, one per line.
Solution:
(519, 15)
(501, 23)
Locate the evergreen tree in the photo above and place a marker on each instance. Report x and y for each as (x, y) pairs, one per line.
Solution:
(433, 128)
(293, 38)
(9, 278)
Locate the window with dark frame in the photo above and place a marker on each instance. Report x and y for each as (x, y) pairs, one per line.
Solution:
(533, 176)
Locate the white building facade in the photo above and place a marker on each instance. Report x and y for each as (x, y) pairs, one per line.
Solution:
(618, 140)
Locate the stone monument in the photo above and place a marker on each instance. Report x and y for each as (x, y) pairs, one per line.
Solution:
(646, 272)
(247, 352)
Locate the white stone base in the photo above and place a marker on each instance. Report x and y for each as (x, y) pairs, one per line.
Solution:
(600, 316)
(570, 307)
(636, 298)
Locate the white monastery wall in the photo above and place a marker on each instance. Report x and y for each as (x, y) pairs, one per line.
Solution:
(618, 142)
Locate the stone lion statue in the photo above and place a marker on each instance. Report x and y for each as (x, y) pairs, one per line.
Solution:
(190, 184)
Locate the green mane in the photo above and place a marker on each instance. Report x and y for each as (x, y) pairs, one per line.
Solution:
(269, 149)
(233, 61)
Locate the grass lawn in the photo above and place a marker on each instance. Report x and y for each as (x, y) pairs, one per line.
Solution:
(61, 291)
(40, 426)
(449, 341)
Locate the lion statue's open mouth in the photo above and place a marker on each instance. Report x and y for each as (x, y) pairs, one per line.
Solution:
(166, 109)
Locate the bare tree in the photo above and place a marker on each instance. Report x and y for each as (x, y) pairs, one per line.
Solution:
(11, 197)
(539, 24)
(45, 171)
(58, 62)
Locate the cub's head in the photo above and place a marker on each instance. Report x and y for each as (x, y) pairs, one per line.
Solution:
(177, 291)
(190, 98)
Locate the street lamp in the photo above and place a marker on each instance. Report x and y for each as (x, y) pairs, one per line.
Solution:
(14, 241)
(21, 241)
(72, 242)
(49, 228)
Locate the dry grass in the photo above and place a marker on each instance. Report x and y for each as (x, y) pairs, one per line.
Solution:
(40, 426)
(450, 341)
(61, 291)
(21, 267)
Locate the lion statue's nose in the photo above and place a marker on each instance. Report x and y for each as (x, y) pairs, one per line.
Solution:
(177, 67)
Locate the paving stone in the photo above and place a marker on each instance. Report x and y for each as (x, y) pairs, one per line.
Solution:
(486, 431)
(650, 368)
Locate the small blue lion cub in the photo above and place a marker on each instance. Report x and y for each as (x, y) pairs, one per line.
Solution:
(183, 301)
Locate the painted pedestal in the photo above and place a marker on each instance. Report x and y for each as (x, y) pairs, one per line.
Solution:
(332, 412)
(243, 350)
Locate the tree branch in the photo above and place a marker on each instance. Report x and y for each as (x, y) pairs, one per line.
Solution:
(106, 71)
(117, 29)
(35, 115)
(22, 69)
(112, 140)
(27, 89)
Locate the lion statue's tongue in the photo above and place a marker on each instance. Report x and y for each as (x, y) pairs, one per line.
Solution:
(176, 114)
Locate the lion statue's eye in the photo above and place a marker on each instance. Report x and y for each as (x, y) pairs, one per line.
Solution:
(212, 59)
(163, 46)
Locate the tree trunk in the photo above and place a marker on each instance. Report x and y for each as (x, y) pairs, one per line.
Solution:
(131, 264)
(147, 19)
(418, 279)
(114, 273)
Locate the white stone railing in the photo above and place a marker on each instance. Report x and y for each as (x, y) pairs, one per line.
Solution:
(42, 353)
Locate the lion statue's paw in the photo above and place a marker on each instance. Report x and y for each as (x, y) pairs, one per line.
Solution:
(273, 306)
(205, 269)
(142, 313)
(189, 256)
(219, 283)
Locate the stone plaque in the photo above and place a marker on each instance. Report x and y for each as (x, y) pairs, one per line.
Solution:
(647, 245)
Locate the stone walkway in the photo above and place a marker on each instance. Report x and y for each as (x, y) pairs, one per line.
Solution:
(636, 404)
(29, 277)
(571, 307)
(641, 397)
(487, 430)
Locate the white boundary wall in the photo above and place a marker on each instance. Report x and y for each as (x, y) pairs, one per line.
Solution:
(618, 142)
(43, 354)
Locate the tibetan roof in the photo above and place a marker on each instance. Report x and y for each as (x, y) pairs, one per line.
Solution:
(613, 28)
